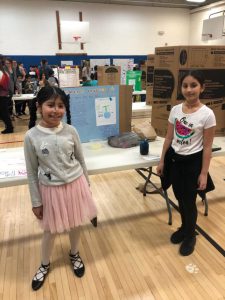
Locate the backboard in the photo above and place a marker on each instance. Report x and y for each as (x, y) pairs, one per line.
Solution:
(74, 32)
(213, 28)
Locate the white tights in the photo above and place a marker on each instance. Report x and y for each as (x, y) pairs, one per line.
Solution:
(48, 241)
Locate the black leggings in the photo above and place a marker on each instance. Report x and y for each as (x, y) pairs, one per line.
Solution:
(185, 171)
(4, 112)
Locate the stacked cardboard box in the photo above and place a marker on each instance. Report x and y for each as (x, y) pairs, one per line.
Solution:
(171, 63)
(109, 75)
(143, 69)
(149, 78)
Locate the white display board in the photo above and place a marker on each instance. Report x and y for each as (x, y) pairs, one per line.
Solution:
(126, 64)
(68, 77)
(66, 63)
(99, 62)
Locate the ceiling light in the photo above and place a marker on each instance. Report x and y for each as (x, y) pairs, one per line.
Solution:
(196, 1)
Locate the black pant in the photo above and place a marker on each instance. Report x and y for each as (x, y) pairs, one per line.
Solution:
(185, 171)
(4, 112)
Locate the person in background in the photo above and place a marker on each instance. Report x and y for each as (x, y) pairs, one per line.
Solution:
(29, 88)
(86, 70)
(22, 69)
(57, 179)
(94, 82)
(29, 85)
(4, 92)
(53, 81)
(44, 69)
(186, 156)
(85, 81)
(12, 83)
(19, 91)
(95, 72)
(34, 73)
(91, 82)
(18, 69)
(43, 82)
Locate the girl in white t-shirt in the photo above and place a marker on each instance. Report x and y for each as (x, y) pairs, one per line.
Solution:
(187, 152)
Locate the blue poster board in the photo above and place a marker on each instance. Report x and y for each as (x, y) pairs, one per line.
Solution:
(94, 111)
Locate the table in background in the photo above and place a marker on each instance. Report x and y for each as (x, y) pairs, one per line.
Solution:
(141, 110)
(22, 98)
(141, 95)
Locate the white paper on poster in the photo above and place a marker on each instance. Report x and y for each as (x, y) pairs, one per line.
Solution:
(105, 109)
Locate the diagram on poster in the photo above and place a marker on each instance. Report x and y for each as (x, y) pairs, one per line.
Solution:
(105, 109)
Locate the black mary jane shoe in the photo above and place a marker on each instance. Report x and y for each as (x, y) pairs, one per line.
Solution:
(77, 263)
(94, 222)
(40, 276)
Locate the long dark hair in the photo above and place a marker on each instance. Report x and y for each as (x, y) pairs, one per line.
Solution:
(197, 74)
(46, 93)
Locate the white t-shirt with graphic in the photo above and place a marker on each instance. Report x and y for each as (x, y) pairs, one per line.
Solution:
(188, 128)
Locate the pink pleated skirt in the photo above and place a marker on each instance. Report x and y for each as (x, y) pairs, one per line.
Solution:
(66, 206)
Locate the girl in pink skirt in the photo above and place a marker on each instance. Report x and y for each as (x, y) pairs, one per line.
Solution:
(58, 179)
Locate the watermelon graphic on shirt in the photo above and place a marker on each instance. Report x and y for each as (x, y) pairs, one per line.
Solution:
(182, 131)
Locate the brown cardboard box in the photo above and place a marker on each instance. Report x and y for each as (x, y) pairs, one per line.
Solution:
(151, 57)
(109, 75)
(161, 110)
(125, 103)
(150, 79)
(149, 95)
(143, 68)
(218, 108)
(171, 63)
(160, 115)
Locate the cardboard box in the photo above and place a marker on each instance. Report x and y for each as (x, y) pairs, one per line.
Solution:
(160, 115)
(218, 108)
(125, 103)
(171, 63)
(143, 69)
(109, 75)
(149, 80)
(150, 57)
(161, 110)
(149, 95)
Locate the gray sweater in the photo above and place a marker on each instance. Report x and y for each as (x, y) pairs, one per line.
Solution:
(53, 157)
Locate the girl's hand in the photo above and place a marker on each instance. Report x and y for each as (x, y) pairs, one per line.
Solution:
(159, 169)
(38, 212)
(202, 181)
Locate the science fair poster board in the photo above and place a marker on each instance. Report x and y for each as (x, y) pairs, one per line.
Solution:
(68, 77)
(126, 64)
(94, 111)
